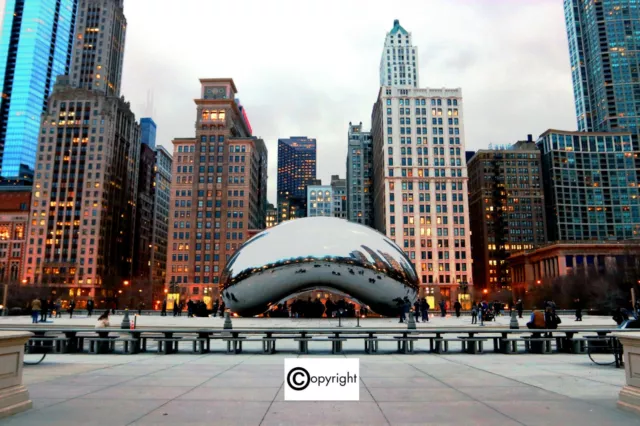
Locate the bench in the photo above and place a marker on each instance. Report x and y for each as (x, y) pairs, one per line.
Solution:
(58, 344)
(473, 345)
(100, 346)
(405, 344)
(237, 343)
(336, 344)
(540, 345)
(579, 345)
(303, 344)
(505, 345)
(168, 345)
(441, 344)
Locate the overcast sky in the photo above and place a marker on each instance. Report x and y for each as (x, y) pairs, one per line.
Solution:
(307, 68)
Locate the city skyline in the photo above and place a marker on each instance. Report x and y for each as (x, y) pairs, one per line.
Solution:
(507, 85)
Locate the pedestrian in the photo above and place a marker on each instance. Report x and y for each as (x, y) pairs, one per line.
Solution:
(416, 309)
(175, 308)
(578, 305)
(424, 308)
(58, 308)
(216, 305)
(474, 313)
(89, 308)
(457, 306)
(180, 308)
(189, 308)
(481, 310)
(519, 308)
(72, 306)
(140, 308)
(163, 312)
(44, 309)
(443, 308)
(36, 306)
(222, 308)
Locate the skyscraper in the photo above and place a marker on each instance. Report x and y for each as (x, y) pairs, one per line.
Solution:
(604, 49)
(359, 174)
(420, 184)
(506, 209)
(37, 39)
(218, 192)
(85, 187)
(296, 170)
(590, 185)
(339, 194)
(399, 64)
(161, 205)
(148, 131)
(98, 51)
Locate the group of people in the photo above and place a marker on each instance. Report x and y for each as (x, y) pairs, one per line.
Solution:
(545, 318)
(194, 308)
(43, 308)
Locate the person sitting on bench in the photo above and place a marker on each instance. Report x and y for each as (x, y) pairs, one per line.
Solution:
(103, 321)
(537, 320)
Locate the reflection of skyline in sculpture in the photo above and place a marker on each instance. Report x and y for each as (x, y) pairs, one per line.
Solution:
(318, 252)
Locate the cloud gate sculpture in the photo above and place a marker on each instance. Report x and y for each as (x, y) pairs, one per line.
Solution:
(318, 253)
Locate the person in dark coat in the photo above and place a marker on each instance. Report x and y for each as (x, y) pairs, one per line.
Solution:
(72, 306)
(176, 308)
(424, 308)
(44, 309)
(578, 305)
(163, 312)
(443, 308)
(216, 305)
(89, 307)
(222, 308)
(519, 308)
(416, 309)
(457, 306)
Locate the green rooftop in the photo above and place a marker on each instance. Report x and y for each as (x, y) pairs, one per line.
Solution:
(398, 28)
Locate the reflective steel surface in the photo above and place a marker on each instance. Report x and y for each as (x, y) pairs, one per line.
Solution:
(318, 252)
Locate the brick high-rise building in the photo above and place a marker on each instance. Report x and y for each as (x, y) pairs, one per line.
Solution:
(506, 209)
(420, 185)
(218, 193)
(85, 187)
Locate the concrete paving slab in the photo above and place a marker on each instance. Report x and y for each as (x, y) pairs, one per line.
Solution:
(182, 412)
(443, 413)
(324, 413)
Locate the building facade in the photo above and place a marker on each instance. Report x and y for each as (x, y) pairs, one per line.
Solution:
(142, 247)
(98, 51)
(218, 192)
(83, 209)
(506, 209)
(359, 174)
(37, 39)
(320, 200)
(590, 185)
(420, 191)
(14, 221)
(399, 62)
(296, 170)
(148, 131)
(603, 51)
(272, 216)
(161, 207)
(339, 193)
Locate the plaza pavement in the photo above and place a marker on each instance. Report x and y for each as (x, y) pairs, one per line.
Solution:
(184, 321)
(220, 389)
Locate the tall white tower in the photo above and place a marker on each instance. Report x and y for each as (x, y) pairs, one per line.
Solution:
(399, 61)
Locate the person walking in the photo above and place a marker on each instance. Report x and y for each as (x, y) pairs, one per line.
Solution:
(216, 305)
(416, 309)
(175, 308)
(474, 313)
(519, 308)
(189, 308)
(222, 308)
(457, 306)
(424, 308)
(140, 308)
(72, 306)
(36, 306)
(578, 306)
(443, 308)
(58, 308)
(44, 309)
(163, 312)
(89, 308)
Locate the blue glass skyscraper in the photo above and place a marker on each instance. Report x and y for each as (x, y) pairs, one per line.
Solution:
(604, 47)
(296, 170)
(148, 132)
(36, 45)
